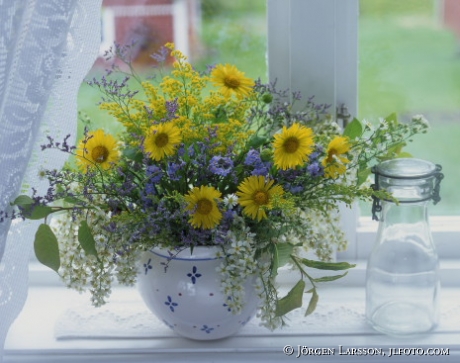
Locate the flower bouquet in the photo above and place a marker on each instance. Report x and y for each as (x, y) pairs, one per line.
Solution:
(208, 158)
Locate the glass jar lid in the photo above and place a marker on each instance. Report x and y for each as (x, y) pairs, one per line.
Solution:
(408, 180)
(406, 168)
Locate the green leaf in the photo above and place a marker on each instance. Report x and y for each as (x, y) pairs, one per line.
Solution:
(257, 141)
(86, 239)
(363, 175)
(284, 253)
(335, 266)
(37, 212)
(73, 200)
(330, 278)
(405, 154)
(46, 247)
(396, 149)
(275, 260)
(221, 114)
(133, 154)
(354, 129)
(292, 300)
(23, 200)
(392, 118)
(313, 302)
(31, 211)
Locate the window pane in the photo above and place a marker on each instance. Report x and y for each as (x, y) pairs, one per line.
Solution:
(235, 32)
(410, 64)
(207, 31)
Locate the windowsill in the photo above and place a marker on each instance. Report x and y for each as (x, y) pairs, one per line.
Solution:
(32, 336)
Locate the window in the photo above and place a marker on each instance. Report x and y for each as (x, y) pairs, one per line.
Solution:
(408, 61)
(304, 37)
(409, 64)
(313, 45)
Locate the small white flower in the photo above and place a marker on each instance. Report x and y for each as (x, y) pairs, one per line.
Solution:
(42, 173)
(230, 201)
(100, 239)
(237, 247)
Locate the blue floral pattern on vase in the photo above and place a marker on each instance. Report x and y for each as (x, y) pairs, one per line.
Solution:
(148, 266)
(171, 303)
(226, 306)
(194, 274)
(207, 329)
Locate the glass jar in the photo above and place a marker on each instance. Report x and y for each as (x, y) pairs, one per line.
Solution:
(402, 280)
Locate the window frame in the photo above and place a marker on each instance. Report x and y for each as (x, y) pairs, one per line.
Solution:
(293, 26)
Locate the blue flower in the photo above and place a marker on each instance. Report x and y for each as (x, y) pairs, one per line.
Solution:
(220, 165)
(173, 168)
(150, 189)
(294, 189)
(191, 151)
(252, 158)
(262, 169)
(172, 108)
(154, 173)
(315, 169)
(314, 155)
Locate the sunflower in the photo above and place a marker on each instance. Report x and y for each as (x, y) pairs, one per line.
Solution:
(256, 194)
(231, 80)
(97, 149)
(334, 162)
(162, 140)
(293, 146)
(202, 202)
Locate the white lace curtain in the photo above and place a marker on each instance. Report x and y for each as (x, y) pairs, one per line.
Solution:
(46, 49)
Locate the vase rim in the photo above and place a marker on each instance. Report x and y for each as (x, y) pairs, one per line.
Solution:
(200, 253)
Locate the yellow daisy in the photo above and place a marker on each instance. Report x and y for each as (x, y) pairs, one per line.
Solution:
(162, 140)
(256, 194)
(97, 149)
(293, 146)
(202, 202)
(231, 80)
(334, 162)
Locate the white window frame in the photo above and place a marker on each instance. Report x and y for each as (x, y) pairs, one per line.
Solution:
(107, 30)
(325, 66)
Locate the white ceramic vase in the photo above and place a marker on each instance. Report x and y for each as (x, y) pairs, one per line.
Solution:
(183, 291)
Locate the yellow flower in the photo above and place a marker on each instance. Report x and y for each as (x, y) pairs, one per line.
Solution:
(293, 146)
(231, 80)
(202, 202)
(334, 162)
(256, 194)
(97, 149)
(162, 140)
